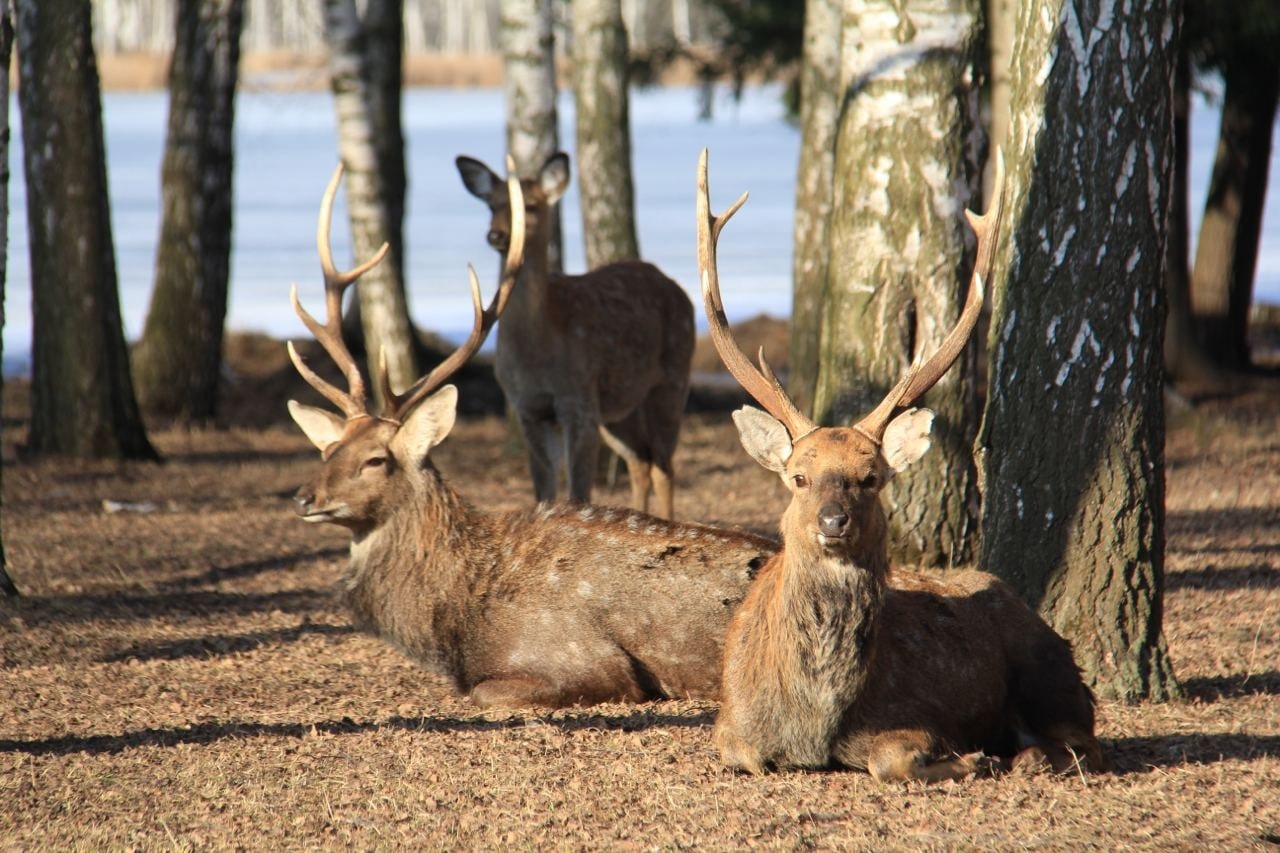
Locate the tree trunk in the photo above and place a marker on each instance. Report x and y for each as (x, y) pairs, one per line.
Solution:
(1000, 19)
(384, 313)
(604, 131)
(819, 120)
(178, 362)
(1073, 438)
(904, 156)
(82, 400)
(1184, 360)
(7, 586)
(1227, 251)
(384, 61)
(528, 52)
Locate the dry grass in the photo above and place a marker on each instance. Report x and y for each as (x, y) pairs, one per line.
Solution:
(181, 678)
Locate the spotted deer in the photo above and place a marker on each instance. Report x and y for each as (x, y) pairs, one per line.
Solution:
(603, 355)
(555, 605)
(834, 657)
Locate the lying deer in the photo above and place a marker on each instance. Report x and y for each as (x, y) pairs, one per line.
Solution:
(834, 657)
(555, 605)
(584, 357)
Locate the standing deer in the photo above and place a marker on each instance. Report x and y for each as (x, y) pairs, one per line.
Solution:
(555, 605)
(584, 357)
(834, 657)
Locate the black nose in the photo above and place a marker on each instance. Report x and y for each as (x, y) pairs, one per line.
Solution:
(303, 500)
(832, 520)
(498, 240)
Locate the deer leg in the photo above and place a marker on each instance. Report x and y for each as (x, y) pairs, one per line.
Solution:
(662, 411)
(621, 437)
(543, 444)
(581, 446)
(904, 755)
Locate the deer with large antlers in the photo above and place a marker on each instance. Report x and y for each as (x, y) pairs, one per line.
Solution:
(603, 355)
(834, 658)
(555, 605)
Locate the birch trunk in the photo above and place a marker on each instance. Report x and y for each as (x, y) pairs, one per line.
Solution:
(528, 52)
(905, 158)
(1072, 442)
(177, 364)
(605, 185)
(82, 399)
(384, 313)
(819, 121)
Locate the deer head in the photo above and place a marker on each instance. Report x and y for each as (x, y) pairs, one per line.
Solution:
(540, 194)
(835, 474)
(370, 460)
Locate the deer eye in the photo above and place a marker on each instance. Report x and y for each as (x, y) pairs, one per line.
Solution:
(373, 463)
(801, 481)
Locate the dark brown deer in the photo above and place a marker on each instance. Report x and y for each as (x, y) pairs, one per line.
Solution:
(554, 605)
(833, 657)
(584, 357)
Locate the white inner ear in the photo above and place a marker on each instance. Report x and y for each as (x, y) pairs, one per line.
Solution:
(323, 428)
(906, 438)
(427, 425)
(764, 437)
(554, 177)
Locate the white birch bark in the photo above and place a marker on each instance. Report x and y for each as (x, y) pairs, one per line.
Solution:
(603, 132)
(383, 312)
(905, 161)
(528, 51)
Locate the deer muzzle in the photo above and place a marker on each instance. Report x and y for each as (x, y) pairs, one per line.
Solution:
(833, 523)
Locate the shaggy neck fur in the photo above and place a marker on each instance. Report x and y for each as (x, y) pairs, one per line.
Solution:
(410, 576)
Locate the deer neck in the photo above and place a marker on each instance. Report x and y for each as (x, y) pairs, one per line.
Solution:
(829, 604)
(527, 308)
(411, 577)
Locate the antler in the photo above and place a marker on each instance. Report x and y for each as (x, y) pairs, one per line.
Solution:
(921, 377)
(353, 404)
(398, 405)
(761, 384)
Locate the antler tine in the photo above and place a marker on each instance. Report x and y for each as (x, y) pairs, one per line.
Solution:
(353, 404)
(924, 376)
(399, 405)
(761, 384)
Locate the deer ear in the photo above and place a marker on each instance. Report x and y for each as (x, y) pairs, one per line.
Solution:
(906, 438)
(478, 178)
(427, 425)
(323, 428)
(764, 437)
(554, 177)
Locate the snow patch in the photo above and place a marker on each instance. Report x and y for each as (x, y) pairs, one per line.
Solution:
(1061, 251)
(1126, 169)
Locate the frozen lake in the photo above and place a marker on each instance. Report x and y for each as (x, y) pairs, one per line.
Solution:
(286, 151)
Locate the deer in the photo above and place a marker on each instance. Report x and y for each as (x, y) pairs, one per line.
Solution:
(834, 657)
(582, 358)
(550, 606)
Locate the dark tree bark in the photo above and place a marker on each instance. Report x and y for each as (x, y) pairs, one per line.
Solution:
(82, 397)
(605, 187)
(7, 586)
(904, 170)
(1227, 250)
(819, 120)
(1072, 444)
(178, 362)
(528, 53)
